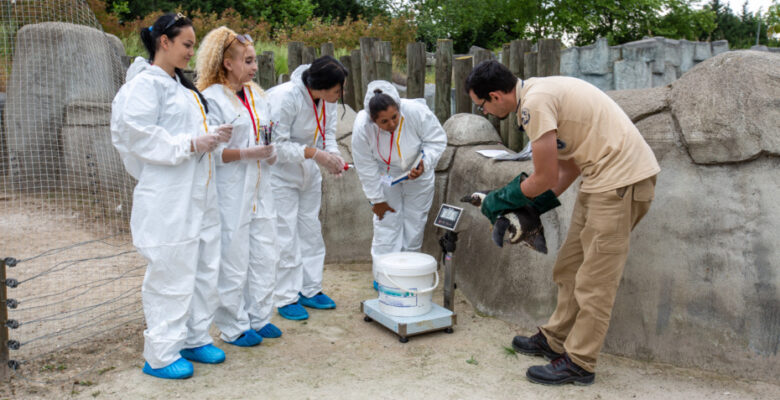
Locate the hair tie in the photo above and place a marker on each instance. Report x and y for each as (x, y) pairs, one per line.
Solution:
(150, 28)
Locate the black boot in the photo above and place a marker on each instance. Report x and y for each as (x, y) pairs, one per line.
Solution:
(559, 371)
(535, 345)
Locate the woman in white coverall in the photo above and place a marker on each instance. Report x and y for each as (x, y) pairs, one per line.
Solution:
(225, 67)
(159, 127)
(305, 137)
(388, 136)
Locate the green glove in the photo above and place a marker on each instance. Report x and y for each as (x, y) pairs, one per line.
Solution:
(509, 197)
(545, 202)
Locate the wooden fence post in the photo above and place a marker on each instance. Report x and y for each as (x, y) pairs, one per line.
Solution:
(357, 79)
(328, 49)
(309, 55)
(266, 70)
(383, 57)
(367, 65)
(504, 125)
(349, 86)
(294, 54)
(415, 70)
(549, 61)
(517, 50)
(443, 105)
(529, 64)
(462, 67)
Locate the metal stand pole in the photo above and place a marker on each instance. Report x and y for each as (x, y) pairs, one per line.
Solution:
(447, 243)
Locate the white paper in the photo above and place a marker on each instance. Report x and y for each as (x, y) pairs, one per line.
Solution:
(503, 155)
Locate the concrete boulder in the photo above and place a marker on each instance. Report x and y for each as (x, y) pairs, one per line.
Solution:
(54, 64)
(728, 107)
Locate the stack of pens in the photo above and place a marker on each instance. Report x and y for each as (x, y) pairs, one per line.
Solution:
(267, 132)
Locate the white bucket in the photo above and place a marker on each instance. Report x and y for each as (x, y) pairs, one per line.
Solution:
(406, 283)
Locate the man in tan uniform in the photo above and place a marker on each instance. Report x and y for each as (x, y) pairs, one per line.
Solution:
(575, 130)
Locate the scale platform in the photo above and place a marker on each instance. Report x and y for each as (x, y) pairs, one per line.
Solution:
(438, 319)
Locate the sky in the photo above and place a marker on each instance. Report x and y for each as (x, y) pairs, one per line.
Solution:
(753, 5)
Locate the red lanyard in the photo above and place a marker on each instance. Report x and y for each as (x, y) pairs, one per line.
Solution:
(317, 119)
(389, 156)
(251, 116)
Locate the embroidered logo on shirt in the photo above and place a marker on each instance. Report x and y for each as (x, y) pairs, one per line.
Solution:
(525, 116)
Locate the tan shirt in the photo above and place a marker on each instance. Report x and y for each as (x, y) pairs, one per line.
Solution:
(592, 129)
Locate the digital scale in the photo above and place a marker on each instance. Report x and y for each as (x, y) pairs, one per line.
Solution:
(439, 318)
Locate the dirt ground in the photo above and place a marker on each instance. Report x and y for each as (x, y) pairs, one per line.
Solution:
(337, 355)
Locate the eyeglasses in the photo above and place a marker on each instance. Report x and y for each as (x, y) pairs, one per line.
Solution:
(481, 107)
(244, 39)
(173, 21)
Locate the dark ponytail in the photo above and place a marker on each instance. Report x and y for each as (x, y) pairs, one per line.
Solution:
(325, 73)
(170, 25)
(380, 102)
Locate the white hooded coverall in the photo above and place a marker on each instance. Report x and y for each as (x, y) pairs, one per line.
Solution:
(297, 186)
(418, 130)
(174, 220)
(247, 270)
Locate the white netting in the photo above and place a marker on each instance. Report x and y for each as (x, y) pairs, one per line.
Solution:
(64, 194)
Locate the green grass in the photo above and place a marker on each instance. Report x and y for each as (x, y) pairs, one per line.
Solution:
(510, 352)
(472, 361)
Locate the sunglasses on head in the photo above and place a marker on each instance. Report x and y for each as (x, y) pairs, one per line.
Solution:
(173, 21)
(244, 39)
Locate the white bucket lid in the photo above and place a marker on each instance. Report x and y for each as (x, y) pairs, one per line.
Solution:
(407, 263)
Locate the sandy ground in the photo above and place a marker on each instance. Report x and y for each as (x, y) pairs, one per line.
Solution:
(337, 355)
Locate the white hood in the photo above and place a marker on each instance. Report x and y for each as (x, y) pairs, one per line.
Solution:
(139, 65)
(386, 88)
(297, 75)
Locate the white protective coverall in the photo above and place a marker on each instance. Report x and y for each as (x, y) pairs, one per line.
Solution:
(418, 130)
(175, 219)
(249, 254)
(297, 186)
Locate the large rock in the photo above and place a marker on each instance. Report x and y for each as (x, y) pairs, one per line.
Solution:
(54, 64)
(594, 59)
(728, 107)
(469, 129)
(632, 74)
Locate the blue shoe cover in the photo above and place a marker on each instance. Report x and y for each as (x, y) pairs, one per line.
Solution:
(270, 331)
(319, 301)
(179, 369)
(207, 354)
(376, 286)
(294, 312)
(247, 339)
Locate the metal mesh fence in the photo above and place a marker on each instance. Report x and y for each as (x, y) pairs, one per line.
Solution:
(64, 194)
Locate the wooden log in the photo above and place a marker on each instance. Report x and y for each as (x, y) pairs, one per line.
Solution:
(367, 64)
(529, 62)
(504, 127)
(462, 67)
(383, 56)
(309, 55)
(517, 50)
(549, 59)
(349, 85)
(443, 100)
(415, 70)
(328, 49)
(357, 79)
(294, 54)
(266, 70)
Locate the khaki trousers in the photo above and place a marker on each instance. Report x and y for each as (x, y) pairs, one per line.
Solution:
(589, 266)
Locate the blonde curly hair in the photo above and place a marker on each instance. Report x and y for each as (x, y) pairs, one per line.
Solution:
(211, 54)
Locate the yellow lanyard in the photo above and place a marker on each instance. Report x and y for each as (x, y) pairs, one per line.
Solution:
(206, 127)
(257, 141)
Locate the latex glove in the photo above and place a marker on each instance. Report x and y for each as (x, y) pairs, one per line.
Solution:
(260, 152)
(224, 131)
(342, 162)
(381, 208)
(271, 160)
(332, 163)
(205, 143)
(509, 197)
